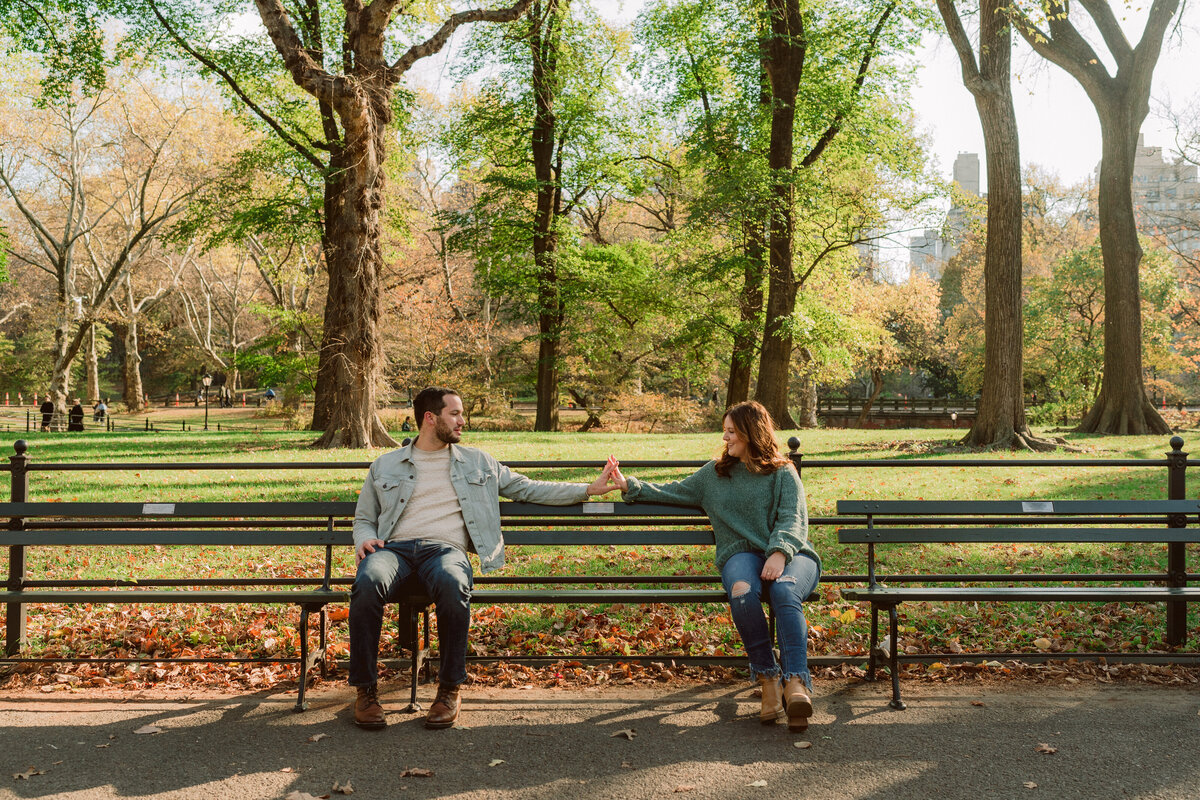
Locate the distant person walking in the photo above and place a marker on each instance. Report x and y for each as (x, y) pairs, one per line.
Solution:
(75, 416)
(47, 411)
(100, 411)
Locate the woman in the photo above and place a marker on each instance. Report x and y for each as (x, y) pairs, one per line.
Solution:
(754, 499)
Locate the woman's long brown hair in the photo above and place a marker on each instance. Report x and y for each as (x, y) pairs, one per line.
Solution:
(754, 424)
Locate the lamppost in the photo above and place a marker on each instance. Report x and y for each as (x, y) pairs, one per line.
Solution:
(207, 381)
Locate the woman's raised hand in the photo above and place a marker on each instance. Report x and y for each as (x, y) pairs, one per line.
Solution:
(614, 471)
(606, 481)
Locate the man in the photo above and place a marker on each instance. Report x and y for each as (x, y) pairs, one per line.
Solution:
(422, 508)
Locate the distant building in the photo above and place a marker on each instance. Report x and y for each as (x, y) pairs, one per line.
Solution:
(1166, 197)
(929, 252)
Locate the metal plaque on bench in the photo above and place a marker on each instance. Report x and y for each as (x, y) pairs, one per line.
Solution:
(1037, 507)
(158, 508)
(599, 508)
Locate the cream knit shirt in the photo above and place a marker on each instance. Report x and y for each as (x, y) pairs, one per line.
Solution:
(433, 511)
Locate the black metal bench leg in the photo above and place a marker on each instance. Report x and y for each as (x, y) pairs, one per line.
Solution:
(300, 705)
(414, 650)
(874, 646)
(324, 642)
(424, 664)
(894, 659)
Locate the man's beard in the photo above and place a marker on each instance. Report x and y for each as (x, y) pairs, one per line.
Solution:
(445, 433)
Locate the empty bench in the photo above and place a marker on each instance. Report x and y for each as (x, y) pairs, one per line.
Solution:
(1154, 523)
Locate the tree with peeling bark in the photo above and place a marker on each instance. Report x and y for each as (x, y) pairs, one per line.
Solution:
(1122, 101)
(355, 88)
(1000, 420)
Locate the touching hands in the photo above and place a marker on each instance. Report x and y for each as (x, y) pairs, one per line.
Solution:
(610, 478)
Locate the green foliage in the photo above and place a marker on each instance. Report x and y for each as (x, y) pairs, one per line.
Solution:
(1064, 327)
(67, 40)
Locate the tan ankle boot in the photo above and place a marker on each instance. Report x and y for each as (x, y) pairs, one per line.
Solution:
(772, 700)
(799, 705)
(367, 711)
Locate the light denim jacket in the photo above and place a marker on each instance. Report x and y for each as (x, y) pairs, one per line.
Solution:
(478, 480)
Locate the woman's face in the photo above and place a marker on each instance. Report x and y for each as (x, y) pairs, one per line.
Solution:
(735, 445)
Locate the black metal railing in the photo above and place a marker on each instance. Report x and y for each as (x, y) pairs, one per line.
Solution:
(1175, 463)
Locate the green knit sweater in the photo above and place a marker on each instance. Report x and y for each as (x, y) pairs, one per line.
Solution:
(748, 512)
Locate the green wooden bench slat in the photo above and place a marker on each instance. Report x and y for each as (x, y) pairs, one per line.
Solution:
(605, 537)
(985, 535)
(173, 596)
(202, 510)
(1017, 507)
(339, 509)
(155, 536)
(1141, 594)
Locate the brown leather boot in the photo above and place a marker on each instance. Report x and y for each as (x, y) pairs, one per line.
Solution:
(799, 705)
(772, 700)
(367, 711)
(444, 711)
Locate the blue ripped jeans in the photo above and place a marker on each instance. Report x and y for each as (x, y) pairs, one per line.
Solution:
(445, 573)
(785, 594)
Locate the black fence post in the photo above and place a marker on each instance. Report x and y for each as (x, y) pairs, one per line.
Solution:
(14, 613)
(797, 458)
(1176, 555)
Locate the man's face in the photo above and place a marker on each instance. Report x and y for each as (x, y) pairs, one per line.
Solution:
(449, 424)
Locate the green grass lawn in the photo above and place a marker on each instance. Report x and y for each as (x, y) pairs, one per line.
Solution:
(836, 626)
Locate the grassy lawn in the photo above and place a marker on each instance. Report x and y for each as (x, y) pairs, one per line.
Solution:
(836, 626)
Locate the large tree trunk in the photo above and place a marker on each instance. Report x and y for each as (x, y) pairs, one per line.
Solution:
(1122, 406)
(1122, 101)
(333, 321)
(544, 43)
(750, 306)
(1000, 419)
(352, 344)
(785, 49)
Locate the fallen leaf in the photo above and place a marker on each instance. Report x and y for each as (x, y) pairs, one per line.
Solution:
(684, 788)
(802, 745)
(343, 788)
(1030, 785)
(288, 769)
(495, 762)
(417, 772)
(1042, 643)
(148, 729)
(627, 765)
(757, 784)
(1045, 748)
(316, 737)
(978, 703)
(106, 744)
(27, 774)
(628, 733)
(301, 796)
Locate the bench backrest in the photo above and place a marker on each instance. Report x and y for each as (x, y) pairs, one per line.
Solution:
(329, 523)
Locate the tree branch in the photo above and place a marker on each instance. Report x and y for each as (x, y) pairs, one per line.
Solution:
(233, 84)
(436, 42)
(307, 73)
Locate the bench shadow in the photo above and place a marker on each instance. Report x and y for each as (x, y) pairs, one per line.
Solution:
(958, 742)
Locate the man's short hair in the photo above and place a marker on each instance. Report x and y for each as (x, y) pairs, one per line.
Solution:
(431, 399)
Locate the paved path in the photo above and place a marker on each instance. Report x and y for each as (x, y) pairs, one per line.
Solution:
(953, 742)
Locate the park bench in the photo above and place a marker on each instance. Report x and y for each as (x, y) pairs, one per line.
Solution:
(991, 522)
(326, 525)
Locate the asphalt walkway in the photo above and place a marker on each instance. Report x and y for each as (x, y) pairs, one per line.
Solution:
(959, 741)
